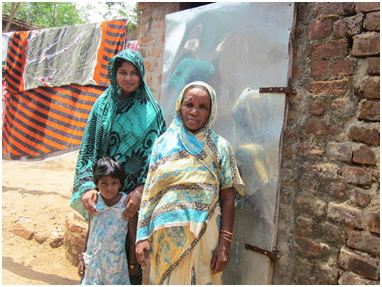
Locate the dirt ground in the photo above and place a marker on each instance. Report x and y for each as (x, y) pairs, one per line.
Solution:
(37, 197)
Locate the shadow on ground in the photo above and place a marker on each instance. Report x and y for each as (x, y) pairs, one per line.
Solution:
(28, 273)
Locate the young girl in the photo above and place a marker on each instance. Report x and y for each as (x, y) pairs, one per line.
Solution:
(104, 260)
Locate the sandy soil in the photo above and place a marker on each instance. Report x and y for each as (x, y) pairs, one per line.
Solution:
(36, 196)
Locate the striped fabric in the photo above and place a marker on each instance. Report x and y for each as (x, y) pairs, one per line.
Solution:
(49, 121)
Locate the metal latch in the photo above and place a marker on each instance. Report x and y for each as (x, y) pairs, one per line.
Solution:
(285, 90)
(271, 254)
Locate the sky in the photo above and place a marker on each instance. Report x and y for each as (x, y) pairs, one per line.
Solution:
(96, 16)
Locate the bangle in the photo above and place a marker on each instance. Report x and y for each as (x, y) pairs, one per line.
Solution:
(137, 193)
(226, 232)
(225, 238)
(133, 265)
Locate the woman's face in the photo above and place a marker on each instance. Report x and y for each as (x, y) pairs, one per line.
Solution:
(128, 78)
(196, 108)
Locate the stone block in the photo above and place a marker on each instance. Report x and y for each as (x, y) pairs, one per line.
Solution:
(339, 152)
(351, 278)
(364, 155)
(364, 241)
(334, 87)
(351, 261)
(370, 111)
(344, 67)
(345, 214)
(373, 65)
(317, 127)
(310, 149)
(349, 26)
(330, 49)
(320, 29)
(310, 248)
(372, 21)
(56, 242)
(366, 6)
(360, 197)
(42, 237)
(357, 175)
(322, 170)
(366, 44)
(343, 108)
(368, 136)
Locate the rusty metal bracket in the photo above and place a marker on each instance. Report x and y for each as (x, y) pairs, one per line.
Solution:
(271, 254)
(285, 90)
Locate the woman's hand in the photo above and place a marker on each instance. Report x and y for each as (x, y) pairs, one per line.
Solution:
(142, 251)
(133, 201)
(220, 258)
(133, 270)
(89, 199)
(81, 268)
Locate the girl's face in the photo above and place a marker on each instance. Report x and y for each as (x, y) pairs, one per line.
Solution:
(128, 78)
(109, 187)
(196, 108)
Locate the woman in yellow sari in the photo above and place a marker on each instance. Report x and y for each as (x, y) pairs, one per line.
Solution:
(188, 205)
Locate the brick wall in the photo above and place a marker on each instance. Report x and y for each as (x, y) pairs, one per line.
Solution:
(328, 231)
(329, 206)
(152, 36)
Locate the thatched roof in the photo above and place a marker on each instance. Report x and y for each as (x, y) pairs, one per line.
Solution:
(18, 25)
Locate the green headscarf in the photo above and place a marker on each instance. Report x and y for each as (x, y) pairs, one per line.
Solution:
(125, 129)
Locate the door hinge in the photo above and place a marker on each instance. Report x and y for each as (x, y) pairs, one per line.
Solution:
(273, 255)
(285, 90)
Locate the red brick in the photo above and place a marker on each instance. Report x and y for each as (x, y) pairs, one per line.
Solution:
(143, 5)
(334, 87)
(343, 108)
(370, 111)
(360, 197)
(143, 28)
(335, 48)
(364, 135)
(345, 214)
(372, 216)
(348, 27)
(157, 52)
(145, 40)
(370, 88)
(357, 175)
(372, 22)
(320, 29)
(20, 230)
(366, 6)
(350, 278)
(317, 127)
(364, 155)
(311, 248)
(319, 69)
(333, 8)
(356, 263)
(317, 109)
(364, 241)
(366, 44)
(373, 65)
(345, 67)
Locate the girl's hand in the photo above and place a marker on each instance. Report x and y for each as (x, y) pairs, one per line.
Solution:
(133, 202)
(220, 258)
(142, 251)
(89, 199)
(133, 270)
(81, 268)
